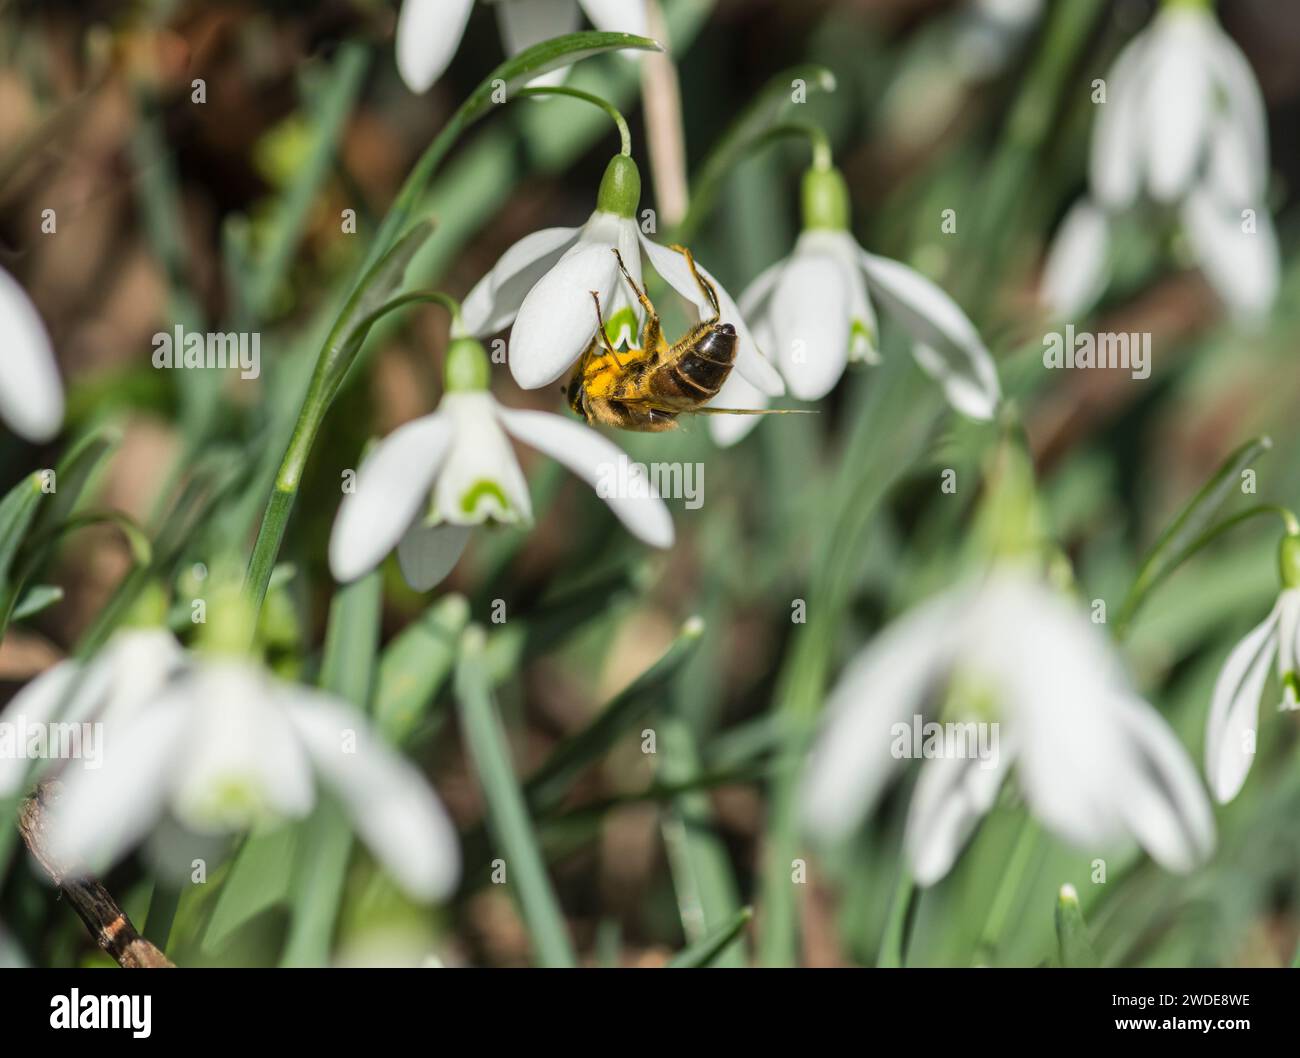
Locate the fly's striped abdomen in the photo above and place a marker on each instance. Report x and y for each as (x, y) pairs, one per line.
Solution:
(699, 373)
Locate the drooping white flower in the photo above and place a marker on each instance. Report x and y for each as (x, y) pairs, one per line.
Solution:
(1095, 763)
(31, 397)
(814, 310)
(430, 31)
(429, 482)
(1234, 708)
(545, 281)
(1183, 123)
(215, 744)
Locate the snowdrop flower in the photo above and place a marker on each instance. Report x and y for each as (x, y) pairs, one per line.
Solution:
(814, 312)
(1184, 123)
(430, 31)
(1234, 708)
(545, 281)
(1093, 760)
(31, 399)
(429, 482)
(214, 744)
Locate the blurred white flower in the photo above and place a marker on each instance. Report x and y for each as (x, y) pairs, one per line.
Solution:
(430, 31)
(1095, 762)
(545, 281)
(31, 397)
(215, 744)
(1183, 122)
(814, 312)
(430, 481)
(1234, 708)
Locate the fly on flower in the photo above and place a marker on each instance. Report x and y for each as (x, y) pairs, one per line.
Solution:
(647, 388)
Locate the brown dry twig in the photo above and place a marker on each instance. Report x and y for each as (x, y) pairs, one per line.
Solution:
(105, 920)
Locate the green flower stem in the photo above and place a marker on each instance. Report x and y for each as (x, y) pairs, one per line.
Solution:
(506, 810)
(1152, 576)
(624, 134)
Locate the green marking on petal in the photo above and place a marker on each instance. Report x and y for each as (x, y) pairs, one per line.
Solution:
(1290, 688)
(623, 319)
(859, 329)
(475, 493)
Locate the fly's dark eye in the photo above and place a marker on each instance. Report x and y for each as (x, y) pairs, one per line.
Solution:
(726, 328)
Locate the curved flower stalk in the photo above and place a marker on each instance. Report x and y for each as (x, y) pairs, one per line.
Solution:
(1095, 763)
(430, 482)
(1239, 689)
(814, 310)
(213, 744)
(31, 398)
(1184, 124)
(543, 284)
(430, 31)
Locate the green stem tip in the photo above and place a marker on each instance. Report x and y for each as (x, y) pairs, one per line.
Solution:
(620, 187)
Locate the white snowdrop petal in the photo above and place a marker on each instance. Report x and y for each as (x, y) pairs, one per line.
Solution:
(1052, 665)
(391, 487)
(617, 16)
(427, 553)
(1163, 801)
(810, 321)
(493, 303)
(1077, 269)
(602, 465)
(1178, 98)
(1115, 157)
(428, 34)
(243, 760)
(1246, 109)
(481, 478)
(1234, 709)
(102, 813)
(885, 684)
(947, 345)
(1243, 266)
(750, 360)
(37, 703)
(558, 317)
(395, 811)
(952, 795)
(524, 23)
(31, 396)
(1232, 178)
(727, 430)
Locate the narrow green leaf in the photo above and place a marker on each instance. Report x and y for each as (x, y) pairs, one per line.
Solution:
(258, 880)
(552, 782)
(415, 665)
(705, 951)
(1072, 931)
(507, 814)
(37, 598)
(1169, 551)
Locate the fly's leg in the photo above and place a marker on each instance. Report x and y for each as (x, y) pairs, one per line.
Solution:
(652, 333)
(704, 284)
(601, 334)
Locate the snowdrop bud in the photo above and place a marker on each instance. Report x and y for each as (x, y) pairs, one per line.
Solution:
(620, 187)
(467, 368)
(825, 199)
(1288, 561)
